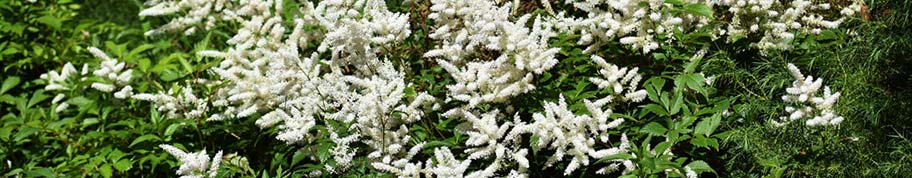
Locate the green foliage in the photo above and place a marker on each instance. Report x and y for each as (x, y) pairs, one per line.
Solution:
(711, 111)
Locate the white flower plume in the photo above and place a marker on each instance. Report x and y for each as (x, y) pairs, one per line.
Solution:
(806, 103)
(195, 164)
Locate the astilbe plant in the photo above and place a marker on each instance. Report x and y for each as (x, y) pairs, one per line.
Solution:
(195, 165)
(264, 72)
(107, 77)
(491, 57)
(778, 22)
(274, 74)
(806, 103)
(636, 23)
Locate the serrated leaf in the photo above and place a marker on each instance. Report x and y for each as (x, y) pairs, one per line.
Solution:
(661, 147)
(678, 102)
(123, 165)
(707, 125)
(654, 129)
(106, 170)
(704, 142)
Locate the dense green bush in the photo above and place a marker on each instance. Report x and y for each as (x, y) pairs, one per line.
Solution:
(708, 98)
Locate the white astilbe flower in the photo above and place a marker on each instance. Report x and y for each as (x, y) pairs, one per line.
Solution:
(199, 13)
(176, 105)
(447, 165)
(264, 74)
(195, 164)
(777, 22)
(402, 167)
(357, 30)
(58, 80)
(639, 23)
(110, 72)
(486, 139)
(342, 153)
(490, 57)
(806, 103)
(636, 23)
(622, 81)
(560, 130)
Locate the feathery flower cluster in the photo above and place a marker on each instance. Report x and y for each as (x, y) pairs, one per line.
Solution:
(197, 13)
(622, 81)
(195, 165)
(184, 105)
(486, 139)
(58, 81)
(490, 57)
(778, 21)
(569, 134)
(264, 73)
(356, 31)
(808, 104)
(637, 23)
(557, 129)
(110, 75)
(342, 153)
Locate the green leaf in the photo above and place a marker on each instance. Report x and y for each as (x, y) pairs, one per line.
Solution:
(40, 171)
(171, 129)
(675, 2)
(678, 102)
(655, 109)
(24, 132)
(686, 121)
(624, 156)
(51, 21)
(144, 138)
(106, 170)
(707, 125)
(5, 133)
(661, 147)
(699, 9)
(700, 166)
(89, 121)
(410, 91)
(826, 35)
(704, 142)
(654, 129)
(653, 86)
(298, 156)
(123, 165)
(80, 101)
(9, 83)
(37, 97)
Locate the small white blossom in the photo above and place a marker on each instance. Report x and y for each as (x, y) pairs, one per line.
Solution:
(195, 164)
(807, 104)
